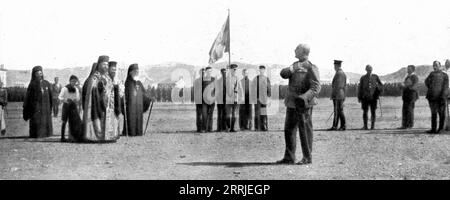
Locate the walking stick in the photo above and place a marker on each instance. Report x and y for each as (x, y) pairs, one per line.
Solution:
(148, 118)
(381, 109)
(330, 116)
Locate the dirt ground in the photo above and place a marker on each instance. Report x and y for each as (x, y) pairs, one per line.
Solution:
(171, 150)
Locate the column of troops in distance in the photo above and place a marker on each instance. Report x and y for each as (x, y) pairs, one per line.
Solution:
(93, 110)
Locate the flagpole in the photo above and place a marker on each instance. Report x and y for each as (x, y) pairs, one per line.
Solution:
(229, 34)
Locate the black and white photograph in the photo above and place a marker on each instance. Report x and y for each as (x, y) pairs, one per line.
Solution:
(224, 90)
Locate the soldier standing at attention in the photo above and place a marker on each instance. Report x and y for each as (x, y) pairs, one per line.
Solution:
(261, 84)
(338, 96)
(303, 88)
(437, 84)
(221, 100)
(232, 92)
(208, 93)
(410, 95)
(198, 99)
(56, 89)
(369, 91)
(245, 109)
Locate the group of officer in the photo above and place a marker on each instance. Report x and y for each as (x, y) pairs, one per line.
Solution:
(303, 90)
(231, 95)
(370, 88)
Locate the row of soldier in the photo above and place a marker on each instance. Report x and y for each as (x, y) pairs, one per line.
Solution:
(230, 93)
(93, 111)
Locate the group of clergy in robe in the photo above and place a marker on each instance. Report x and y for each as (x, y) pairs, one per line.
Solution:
(93, 111)
(231, 96)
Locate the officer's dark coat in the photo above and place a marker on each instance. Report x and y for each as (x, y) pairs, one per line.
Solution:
(437, 84)
(303, 82)
(339, 85)
(370, 87)
(410, 93)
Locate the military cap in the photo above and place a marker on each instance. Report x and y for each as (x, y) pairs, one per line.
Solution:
(208, 68)
(73, 77)
(112, 63)
(233, 66)
(338, 62)
(262, 67)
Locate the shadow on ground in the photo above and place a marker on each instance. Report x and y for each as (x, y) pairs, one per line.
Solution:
(229, 164)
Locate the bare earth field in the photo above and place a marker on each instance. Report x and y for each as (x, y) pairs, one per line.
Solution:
(171, 150)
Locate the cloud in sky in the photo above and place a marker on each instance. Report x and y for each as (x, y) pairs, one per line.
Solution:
(386, 34)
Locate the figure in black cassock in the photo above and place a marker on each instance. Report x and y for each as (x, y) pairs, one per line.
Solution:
(37, 106)
(410, 96)
(136, 103)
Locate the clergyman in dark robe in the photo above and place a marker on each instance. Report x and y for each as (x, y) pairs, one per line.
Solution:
(136, 103)
(245, 109)
(37, 106)
(409, 97)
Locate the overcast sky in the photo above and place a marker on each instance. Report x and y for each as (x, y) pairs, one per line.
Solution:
(386, 34)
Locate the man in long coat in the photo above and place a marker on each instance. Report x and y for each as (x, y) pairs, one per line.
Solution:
(136, 102)
(303, 89)
(221, 99)
(409, 97)
(245, 109)
(37, 106)
(232, 92)
(56, 89)
(437, 84)
(198, 99)
(338, 96)
(369, 91)
(262, 88)
(208, 100)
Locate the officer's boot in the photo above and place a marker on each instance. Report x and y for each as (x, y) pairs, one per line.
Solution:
(365, 122)
(433, 124)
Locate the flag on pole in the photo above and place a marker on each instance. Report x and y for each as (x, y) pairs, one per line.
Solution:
(221, 43)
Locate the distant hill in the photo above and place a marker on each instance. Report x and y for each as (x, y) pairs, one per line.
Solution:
(170, 72)
(422, 72)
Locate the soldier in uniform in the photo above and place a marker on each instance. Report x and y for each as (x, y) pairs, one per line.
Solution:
(221, 99)
(446, 68)
(303, 89)
(437, 84)
(198, 99)
(56, 89)
(369, 91)
(338, 96)
(410, 95)
(208, 92)
(245, 109)
(233, 89)
(261, 84)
